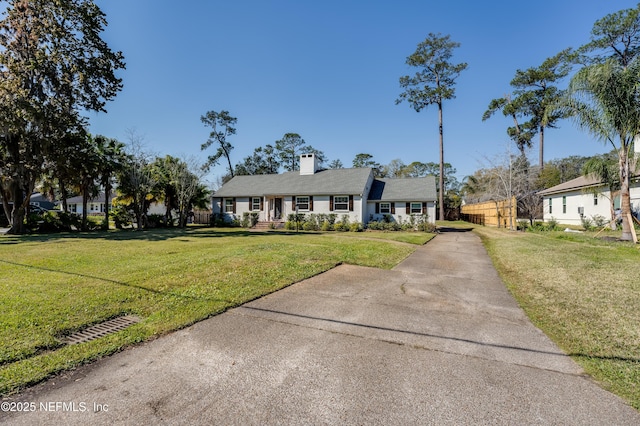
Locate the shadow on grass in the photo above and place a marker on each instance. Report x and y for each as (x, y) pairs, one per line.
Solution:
(159, 234)
(77, 274)
(604, 358)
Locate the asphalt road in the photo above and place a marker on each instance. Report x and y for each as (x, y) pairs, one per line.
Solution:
(437, 340)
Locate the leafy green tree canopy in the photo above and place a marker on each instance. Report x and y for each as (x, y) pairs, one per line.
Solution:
(289, 149)
(53, 66)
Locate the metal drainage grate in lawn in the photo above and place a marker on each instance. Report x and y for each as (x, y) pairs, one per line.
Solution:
(102, 329)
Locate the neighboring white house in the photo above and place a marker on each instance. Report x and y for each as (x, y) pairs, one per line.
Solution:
(95, 205)
(353, 192)
(570, 201)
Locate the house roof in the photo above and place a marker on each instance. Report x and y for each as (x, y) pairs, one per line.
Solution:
(571, 185)
(78, 199)
(407, 189)
(332, 181)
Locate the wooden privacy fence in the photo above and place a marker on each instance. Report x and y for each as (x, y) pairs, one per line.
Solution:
(202, 217)
(490, 213)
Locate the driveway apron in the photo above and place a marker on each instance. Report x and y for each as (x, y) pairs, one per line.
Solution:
(436, 340)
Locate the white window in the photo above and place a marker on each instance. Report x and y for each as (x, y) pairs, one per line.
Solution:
(255, 203)
(550, 205)
(416, 208)
(341, 202)
(228, 205)
(385, 208)
(302, 203)
(595, 199)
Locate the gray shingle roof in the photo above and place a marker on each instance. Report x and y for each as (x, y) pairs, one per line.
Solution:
(407, 189)
(324, 182)
(572, 185)
(78, 199)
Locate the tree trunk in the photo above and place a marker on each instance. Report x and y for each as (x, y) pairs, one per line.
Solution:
(625, 199)
(107, 196)
(541, 154)
(441, 180)
(612, 206)
(64, 194)
(19, 210)
(85, 197)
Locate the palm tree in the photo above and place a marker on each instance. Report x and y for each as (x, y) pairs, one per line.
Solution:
(604, 99)
(112, 158)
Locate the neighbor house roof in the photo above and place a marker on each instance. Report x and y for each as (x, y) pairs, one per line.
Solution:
(572, 185)
(77, 200)
(408, 189)
(323, 182)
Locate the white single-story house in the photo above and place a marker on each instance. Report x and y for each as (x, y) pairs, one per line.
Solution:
(353, 192)
(95, 206)
(586, 197)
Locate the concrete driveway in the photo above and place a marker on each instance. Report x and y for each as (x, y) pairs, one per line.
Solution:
(437, 340)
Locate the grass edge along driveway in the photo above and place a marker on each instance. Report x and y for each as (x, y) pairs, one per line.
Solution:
(54, 285)
(582, 292)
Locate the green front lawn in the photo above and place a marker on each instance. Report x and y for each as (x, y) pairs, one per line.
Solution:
(54, 285)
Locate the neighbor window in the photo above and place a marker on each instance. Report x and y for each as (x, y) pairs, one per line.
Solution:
(385, 208)
(341, 202)
(564, 204)
(550, 205)
(302, 203)
(416, 208)
(228, 205)
(595, 199)
(255, 203)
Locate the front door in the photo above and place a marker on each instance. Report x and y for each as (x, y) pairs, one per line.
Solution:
(277, 209)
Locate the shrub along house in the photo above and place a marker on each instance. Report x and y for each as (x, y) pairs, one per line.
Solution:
(352, 192)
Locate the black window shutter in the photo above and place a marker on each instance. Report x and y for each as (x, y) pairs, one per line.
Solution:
(424, 207)
(408, 207)
(331, 203)
(350, 203)
(393, 208)
(310, 203)
(377, 207)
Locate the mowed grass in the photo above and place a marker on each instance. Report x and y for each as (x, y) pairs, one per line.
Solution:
(52, 286)
(583, 292)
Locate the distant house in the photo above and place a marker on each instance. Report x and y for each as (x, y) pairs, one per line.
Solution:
(584, 196)
(353, 192)
(95, 206)
(40, 200)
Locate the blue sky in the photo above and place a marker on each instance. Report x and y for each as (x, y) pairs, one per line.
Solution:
(329, 71)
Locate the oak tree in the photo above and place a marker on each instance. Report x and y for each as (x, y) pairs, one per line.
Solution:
(53, 65)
